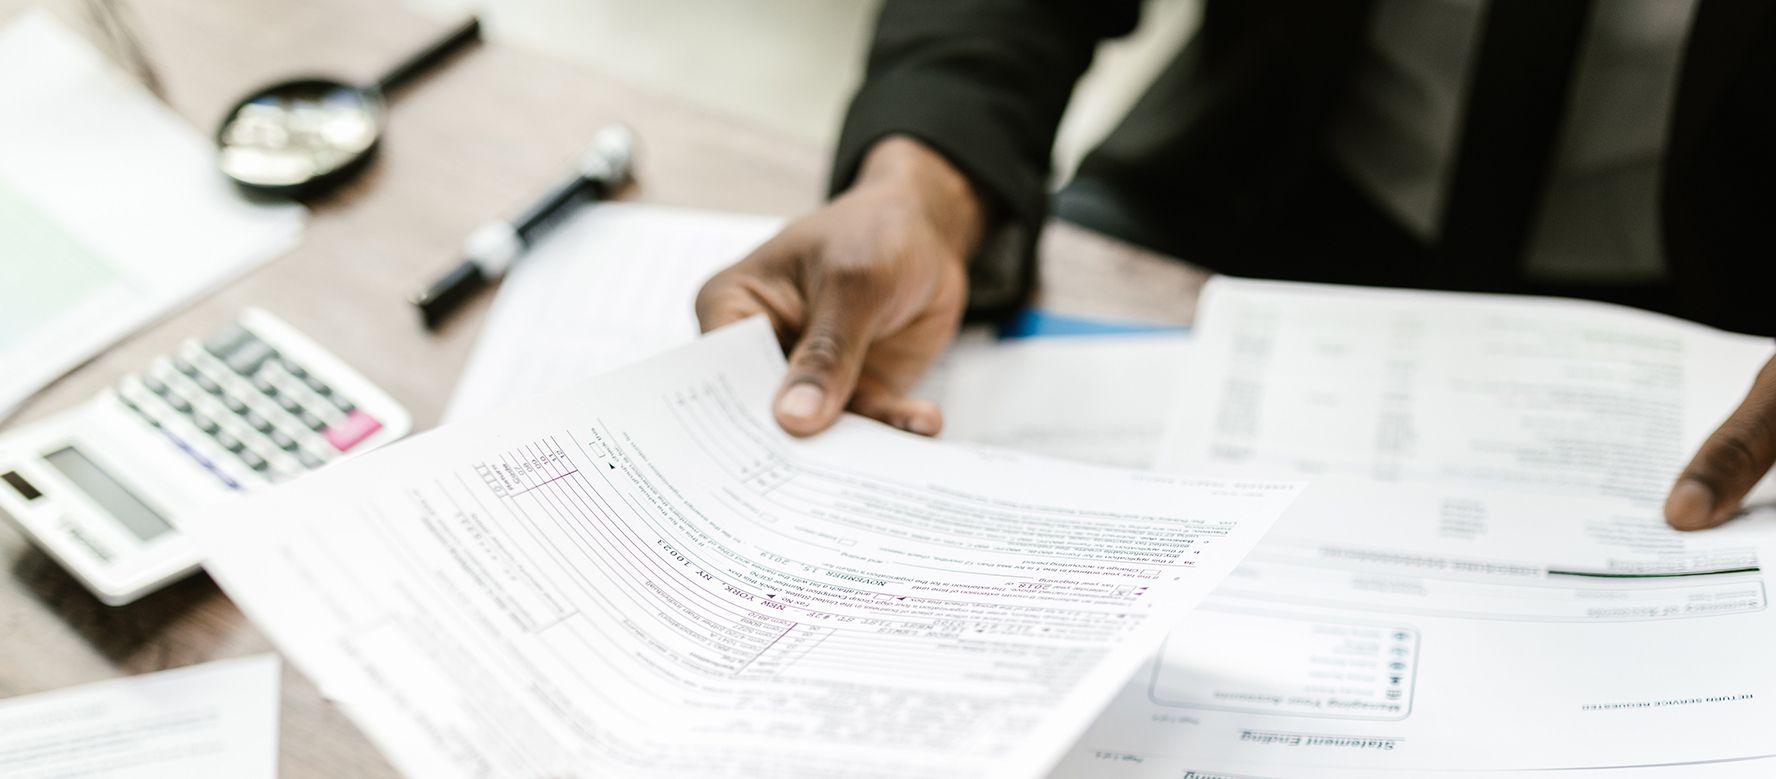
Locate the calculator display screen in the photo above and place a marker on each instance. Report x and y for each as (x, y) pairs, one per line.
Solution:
(111, 496)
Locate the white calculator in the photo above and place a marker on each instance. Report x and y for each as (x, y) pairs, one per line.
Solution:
(101, 488)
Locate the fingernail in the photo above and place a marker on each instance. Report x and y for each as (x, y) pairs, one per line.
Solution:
(802, 401)
(1691, 504)
(921, 424)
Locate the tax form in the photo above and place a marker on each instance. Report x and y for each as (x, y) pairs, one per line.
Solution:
(1504, 594)
(216, 719)
(1413, 628)
(643, 576)
(1541, 394)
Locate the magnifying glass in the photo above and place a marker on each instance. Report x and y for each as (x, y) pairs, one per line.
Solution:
(302, 136)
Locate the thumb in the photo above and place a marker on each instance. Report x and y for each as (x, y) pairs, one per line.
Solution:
(1729, 463)
(825, 363)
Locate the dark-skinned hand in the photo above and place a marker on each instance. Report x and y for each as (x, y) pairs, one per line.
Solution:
(864, 293)
(1730, 462)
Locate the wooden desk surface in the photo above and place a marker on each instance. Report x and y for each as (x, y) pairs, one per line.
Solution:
(473, 141)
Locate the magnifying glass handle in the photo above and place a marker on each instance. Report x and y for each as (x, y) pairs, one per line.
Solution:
(466, 33)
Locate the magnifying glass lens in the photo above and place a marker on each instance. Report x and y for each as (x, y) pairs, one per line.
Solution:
(301, 137)
(298, 132)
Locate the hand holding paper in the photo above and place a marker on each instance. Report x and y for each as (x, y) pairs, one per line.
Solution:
(868, 290)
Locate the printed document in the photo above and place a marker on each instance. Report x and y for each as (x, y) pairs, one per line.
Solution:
(644, 576)
(112, 212)
(1410, 628)
(1505, 595)
(216, 719)
(1541, 394)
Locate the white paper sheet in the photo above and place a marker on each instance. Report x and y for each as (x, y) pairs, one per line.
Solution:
(1541, 394)
(1100, 399)
(1411, 628)
(616, 283)
(613, 284)
(1523, 437)
(212, 720)
(112, 211)
(644, 576)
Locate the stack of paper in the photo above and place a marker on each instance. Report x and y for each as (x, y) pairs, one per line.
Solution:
(644, 576)
(1498, 590)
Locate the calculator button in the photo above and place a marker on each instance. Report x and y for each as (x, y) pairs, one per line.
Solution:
(247, 359)
(205, 423)
(227, 340)
(344, 406)
(315, 423)
(155, 385)
(304, 398)
(207, 365)
(282, 440)
(179, 404)
(264, 384)
(309, 461)
(320, 387)
(206, 384)
(178, 384)
(356, 427)
(303, 401)
(293, 367)
(253, 460)
(253, 419)
(227, 441)
(184, 366)
(289, 404)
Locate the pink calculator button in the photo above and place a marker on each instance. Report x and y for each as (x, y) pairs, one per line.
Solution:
(356, 427)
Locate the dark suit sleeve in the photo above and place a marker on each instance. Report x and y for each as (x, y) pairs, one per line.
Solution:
(984, 83)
